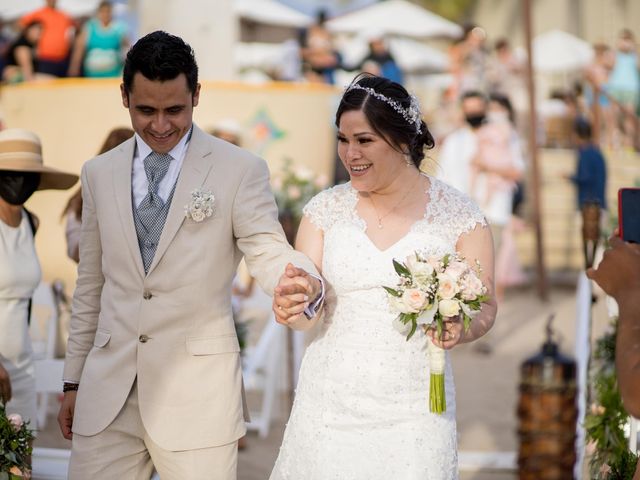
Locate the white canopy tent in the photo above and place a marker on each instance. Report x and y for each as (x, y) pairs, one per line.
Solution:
(412, 56)
(395, 17)
(556, 51)
(271, 12)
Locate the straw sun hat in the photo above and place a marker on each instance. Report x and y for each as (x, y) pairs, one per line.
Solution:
(21, 151)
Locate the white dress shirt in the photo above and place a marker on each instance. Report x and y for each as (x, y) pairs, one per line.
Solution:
(139, 182)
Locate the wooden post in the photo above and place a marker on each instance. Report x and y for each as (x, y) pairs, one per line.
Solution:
(533, 151)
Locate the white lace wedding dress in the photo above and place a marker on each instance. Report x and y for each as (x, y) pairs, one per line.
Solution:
(361, 409)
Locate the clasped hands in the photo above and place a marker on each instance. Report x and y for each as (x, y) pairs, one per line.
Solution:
(295, 291)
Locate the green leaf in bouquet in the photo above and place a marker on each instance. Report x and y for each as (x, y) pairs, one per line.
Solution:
(439, 325)
(401, 269)
(445, 260)
(392, 291)
(414, 325)
(466, 321)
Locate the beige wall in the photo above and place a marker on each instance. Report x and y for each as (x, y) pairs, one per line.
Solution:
(72, 118)
(592, 20)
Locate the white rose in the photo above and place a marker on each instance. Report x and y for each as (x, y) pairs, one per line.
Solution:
(447, 287)
(398, 305)
(414, 299)
(303, 174)
(197, 215)
(418, 269)
(455, 269)
(401, 327)
(435, 262)
(426, 317)
(449, 308)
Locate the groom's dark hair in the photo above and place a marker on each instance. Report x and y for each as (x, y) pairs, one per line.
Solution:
(160, 56)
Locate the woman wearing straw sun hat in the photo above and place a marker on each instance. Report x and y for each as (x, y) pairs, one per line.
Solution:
(22, 172)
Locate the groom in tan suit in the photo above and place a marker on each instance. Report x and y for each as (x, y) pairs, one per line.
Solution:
(152, 372)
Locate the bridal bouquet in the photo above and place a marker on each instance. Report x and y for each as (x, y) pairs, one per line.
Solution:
(429, 290)
(15, 446)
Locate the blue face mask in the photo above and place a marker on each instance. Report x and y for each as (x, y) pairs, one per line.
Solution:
(17, 187)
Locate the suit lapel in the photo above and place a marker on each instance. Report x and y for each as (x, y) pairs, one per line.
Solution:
(122, 167)
(195, 169)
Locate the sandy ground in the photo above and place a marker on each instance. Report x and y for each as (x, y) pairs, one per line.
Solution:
(486, 383)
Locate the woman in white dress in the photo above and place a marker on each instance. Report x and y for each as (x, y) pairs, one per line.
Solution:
(21, 174)
(361, 410)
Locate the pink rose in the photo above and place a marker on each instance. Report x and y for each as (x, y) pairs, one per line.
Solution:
(456, 269)
(447, 287)
(294, 192)
(471, 287)
(414, 299)
(15, 419)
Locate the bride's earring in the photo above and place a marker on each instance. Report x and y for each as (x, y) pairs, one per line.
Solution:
(407, 161)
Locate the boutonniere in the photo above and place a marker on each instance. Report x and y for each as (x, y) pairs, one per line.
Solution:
(200, 206)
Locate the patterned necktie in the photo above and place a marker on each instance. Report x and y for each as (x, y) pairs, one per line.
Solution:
(156, 166)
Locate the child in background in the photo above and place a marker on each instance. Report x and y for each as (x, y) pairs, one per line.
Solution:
(590, 176)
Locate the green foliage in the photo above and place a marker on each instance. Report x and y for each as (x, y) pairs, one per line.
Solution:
(605, 423)
(454, 10)
(15, 446)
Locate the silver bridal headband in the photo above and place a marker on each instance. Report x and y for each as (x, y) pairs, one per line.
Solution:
(412, 114)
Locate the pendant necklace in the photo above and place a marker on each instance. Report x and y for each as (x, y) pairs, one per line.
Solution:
(380, 226)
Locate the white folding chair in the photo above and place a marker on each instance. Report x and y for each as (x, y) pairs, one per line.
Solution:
(263, 370)
(48, 385)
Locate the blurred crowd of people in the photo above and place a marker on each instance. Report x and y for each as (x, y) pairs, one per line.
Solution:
(612, 85)
(49, 43)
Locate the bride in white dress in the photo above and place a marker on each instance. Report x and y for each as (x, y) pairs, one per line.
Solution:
(361, 409)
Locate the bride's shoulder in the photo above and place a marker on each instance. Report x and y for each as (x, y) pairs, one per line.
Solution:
(329, 205)
(454, 206)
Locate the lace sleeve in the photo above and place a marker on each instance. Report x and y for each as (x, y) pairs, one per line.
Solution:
(454, 211)
(470, 216)
(315, 210)
(331, 206)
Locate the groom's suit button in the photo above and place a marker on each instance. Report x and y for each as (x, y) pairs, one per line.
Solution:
(147, 295)
(143, 338)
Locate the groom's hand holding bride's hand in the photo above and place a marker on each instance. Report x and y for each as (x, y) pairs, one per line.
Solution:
(295, 290)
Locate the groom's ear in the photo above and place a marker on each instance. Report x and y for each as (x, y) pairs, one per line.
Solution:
(125, 96)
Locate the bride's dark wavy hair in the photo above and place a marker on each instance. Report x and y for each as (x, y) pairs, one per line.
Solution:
(384, 120)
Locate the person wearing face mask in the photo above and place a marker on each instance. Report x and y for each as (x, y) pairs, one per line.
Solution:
(21, 174)
(461, 146)
(495, 172)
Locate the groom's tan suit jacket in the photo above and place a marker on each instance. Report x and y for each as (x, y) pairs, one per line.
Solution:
(170, 330)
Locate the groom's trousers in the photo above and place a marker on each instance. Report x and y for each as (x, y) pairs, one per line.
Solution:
(125, 451)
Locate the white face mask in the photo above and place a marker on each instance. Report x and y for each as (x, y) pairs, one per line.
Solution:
(497, 117)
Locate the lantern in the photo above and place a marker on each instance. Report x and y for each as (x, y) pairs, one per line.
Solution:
(547, 414)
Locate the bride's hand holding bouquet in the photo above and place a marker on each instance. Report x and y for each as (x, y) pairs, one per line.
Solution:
(441, 296)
